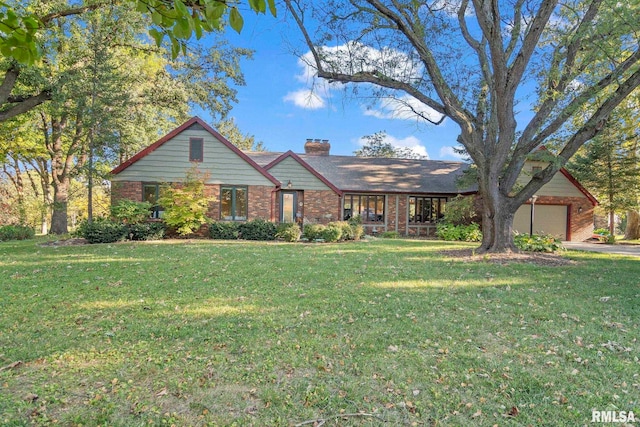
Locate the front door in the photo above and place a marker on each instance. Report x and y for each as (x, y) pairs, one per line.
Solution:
(288, 206)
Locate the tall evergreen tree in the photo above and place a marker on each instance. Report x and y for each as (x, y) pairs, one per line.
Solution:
(609, 166)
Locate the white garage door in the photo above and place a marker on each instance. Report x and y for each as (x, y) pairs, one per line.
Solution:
(549, 219)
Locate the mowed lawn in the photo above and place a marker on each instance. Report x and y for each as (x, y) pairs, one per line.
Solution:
(384, 332)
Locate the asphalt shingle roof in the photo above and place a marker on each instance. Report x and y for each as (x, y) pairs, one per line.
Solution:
(378, 174)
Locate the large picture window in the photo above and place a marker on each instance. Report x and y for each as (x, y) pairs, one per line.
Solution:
(233, 203)
(151, 194)
(370, 208)
(426, 209)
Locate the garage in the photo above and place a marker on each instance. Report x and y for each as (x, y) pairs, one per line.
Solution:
(548, 219)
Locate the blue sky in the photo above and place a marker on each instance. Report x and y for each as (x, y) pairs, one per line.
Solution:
(272, 106)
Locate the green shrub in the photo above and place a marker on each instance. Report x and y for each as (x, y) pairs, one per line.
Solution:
(224, 230)
(334, 231)
(537, 243)
(355, 220)
(258, 229)
(461, 211)
(186, 204)
(289, 232)
(146, 231)
(390, 235)
(313, 231)
(604, 235)
(358, 231)
(130, 212)
(601, 232)
(16, 232)
(464, 233)
(102, 230)
(348, 230)
(331, 233)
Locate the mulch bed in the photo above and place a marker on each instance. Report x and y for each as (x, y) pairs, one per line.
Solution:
(66, 242)
(537, 258)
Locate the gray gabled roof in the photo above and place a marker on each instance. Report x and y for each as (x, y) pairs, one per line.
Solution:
(382, 175)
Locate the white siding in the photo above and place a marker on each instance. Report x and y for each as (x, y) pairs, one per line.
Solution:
(558, 186)
(301, 179)
(170, 161)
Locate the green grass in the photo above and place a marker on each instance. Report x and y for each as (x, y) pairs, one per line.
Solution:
(194, 333)
(628, 242)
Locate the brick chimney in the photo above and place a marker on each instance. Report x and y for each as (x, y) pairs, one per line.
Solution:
(317, 147)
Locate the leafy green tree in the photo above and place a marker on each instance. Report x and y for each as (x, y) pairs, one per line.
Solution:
(474, 62)
(229, 129)
(186, 204)
(113, 93)
(22, 44)
(375, 146)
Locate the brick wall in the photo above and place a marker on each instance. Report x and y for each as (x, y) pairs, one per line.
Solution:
(126, 190)
(213, 190)
(402, 214)
(260, 202)
(321, 206)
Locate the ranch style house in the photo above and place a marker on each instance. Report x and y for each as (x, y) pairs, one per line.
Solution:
(403, 195)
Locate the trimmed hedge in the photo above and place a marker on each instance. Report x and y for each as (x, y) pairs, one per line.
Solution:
(105, 230)
(334, 231)
(102, 230)
(146, 231)
(289, 232)
(331, 233)
(16, 232)
(257, 229)
(313, 231)
(224, 230)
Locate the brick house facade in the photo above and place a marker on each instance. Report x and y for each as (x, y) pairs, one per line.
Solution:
(402, 195)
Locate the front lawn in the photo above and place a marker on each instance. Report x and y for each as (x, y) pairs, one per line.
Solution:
(192, 333)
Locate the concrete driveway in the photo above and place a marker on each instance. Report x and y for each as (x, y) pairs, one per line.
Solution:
(633, 250)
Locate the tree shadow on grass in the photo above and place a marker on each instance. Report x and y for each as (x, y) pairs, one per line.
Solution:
(261, 333)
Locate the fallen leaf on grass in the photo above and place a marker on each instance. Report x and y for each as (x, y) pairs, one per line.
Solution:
(513, 412)
(162, 392)
(251, 410)
(30, 397)
(12, 365)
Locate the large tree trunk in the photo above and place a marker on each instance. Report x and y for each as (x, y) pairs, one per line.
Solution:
(632, 231)
(59, 223)
(497, 221)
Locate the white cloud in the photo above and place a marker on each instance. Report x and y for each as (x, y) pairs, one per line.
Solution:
(404, 108)
(450, 153)
(409, 142)
(349, 58)
(354, 57)
(451, 7)
(305, 98)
